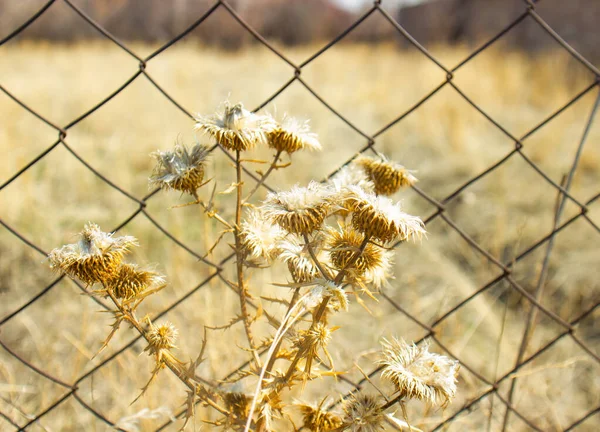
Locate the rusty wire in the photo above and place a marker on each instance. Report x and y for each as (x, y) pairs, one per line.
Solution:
(569, 329)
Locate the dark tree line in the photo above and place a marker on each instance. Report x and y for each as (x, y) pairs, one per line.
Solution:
(294, 22)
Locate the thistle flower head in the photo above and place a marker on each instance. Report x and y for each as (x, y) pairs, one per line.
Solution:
(372, 266)
(351, 175)
(348, 178)
(380, 218)
(314, 338)
(96, 257)
(161, 337)
(298, 259)
(260, 237)
(293, 135)
(363, 413)
(180, 169)
(130, 281)
(316, 419)
(236, 128)
(344, 250)
(387, 176)
(238, 405)
(416, 373)
(327, 289)
(301, 210)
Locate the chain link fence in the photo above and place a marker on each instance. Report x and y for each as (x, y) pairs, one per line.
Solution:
(568, 329)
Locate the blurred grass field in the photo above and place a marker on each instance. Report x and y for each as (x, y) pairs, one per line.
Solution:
(445, 140)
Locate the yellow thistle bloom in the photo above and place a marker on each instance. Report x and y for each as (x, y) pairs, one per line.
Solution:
(378, 217)
(301, 210)
(388, 177)
(260, 237)
(128, 281)
(362, 413)
(292, 136)
(236, 128)
(96, 257)
(180, 169)
(416, 373)
(316, 419)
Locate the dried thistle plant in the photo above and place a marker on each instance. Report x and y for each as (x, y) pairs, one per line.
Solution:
(180, 169)
(292, 136)
(260, 238)
(236, 128)
(301, 210)
(332, 237)
(94, 258)
(387, 176)
(363, 413)
(418, 374)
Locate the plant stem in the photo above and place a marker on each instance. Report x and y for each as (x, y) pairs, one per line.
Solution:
(273, 359)
(264, 176)
(239, 256)
(131, 318)
(210, 213)
(323, 306)
(323, 271)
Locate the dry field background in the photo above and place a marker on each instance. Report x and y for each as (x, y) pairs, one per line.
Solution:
(446, 140)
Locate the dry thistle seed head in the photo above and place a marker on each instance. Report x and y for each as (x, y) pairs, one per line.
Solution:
(180, 169)
(342, 184)
(260, 237)
(129, 281)
(378, 217)
(161, 337)
(344, 244)
(351, 175)
(236, 128)
(372, 266)
(363, 413)
(301, 210)
(318, 420)
(298, 259)
(96, 257)
(292, 136)
(238, 405)
(327, 289)
(387, 176)
(416, 373)
(314, 338)
(271, 407)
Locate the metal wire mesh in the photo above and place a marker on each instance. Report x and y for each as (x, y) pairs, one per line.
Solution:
(569, 328)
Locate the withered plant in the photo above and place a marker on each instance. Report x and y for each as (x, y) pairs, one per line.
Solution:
(335, 237)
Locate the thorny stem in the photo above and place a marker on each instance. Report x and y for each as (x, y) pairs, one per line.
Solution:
(240, 259)
(392, 402)
(273, 358)
(131, 318)
(292, 304)
(281, 331)
(323, 271)
(264, 176)
(323, 306)
(210, 212)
